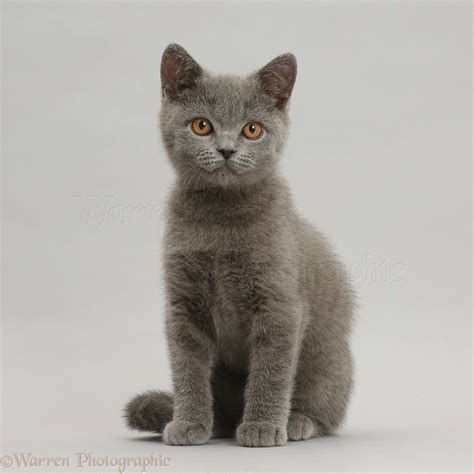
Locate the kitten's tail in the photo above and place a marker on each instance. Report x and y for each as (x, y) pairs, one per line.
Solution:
(149, 411)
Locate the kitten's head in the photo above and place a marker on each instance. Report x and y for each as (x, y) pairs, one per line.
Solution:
(223, 130)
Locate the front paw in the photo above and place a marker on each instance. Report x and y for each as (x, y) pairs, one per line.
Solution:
(183, 433)
(257, 434)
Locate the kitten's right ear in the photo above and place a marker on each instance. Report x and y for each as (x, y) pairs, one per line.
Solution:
(179, 71)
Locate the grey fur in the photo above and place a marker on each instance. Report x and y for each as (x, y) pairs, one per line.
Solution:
(259, 309)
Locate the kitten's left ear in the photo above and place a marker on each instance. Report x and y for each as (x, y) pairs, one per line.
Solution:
(278, 78)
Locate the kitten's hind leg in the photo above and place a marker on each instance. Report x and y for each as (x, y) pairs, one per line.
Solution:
(322, 390)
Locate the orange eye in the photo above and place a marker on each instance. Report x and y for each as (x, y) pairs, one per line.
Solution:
(201, 126)
(252, 130)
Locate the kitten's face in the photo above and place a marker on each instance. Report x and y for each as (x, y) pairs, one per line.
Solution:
(223, 130)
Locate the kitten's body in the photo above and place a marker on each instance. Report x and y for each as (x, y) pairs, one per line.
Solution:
(259, 309)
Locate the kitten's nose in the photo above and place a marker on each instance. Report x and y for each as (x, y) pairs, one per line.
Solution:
(226, 152)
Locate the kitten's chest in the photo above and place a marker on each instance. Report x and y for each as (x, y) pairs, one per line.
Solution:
(231, 310)
(215, 239)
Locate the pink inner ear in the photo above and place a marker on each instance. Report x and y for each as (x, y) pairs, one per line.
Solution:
(170, 71)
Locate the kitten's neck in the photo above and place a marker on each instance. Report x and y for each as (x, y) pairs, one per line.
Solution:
(225, 204)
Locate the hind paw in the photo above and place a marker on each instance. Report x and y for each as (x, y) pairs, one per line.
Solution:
(300, 427)
(183, 433)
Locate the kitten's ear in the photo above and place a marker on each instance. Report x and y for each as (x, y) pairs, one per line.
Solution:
(179, 71)
(278, 78)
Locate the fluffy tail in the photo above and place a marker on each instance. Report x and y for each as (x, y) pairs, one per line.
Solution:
(149, 411)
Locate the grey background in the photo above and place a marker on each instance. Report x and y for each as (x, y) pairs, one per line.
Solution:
(379, 160)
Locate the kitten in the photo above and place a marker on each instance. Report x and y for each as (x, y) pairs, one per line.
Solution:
(258, 308)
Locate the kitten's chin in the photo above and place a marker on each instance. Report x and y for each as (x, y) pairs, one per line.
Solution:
(223, 177)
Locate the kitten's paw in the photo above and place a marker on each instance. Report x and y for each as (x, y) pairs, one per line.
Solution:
(300, 427)
(256, 434)
(183, 433)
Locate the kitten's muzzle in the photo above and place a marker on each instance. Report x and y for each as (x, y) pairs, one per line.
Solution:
(226, 152)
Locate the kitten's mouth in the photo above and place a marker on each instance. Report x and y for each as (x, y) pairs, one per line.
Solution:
(224, 168)
(229, 165)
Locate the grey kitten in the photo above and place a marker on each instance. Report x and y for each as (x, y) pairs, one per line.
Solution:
(259, 309)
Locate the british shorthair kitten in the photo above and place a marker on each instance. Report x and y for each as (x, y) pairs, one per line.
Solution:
(259, 309)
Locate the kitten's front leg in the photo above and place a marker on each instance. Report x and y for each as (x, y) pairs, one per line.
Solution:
(274, 339)
(192, 355)
(191, 362)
